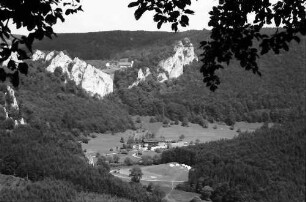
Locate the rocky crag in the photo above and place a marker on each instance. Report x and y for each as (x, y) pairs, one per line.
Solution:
(141, 77)
(172, 67)
(91, 79)
(9, 107)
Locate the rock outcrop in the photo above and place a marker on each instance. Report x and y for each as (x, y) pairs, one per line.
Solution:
(91, 79)
(9, 106)
(141, 77)
(174, 65)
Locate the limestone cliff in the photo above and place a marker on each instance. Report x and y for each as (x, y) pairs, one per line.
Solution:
(174, 65)
(91, 79)
(141, 77)
(9, 106)
(171, 67)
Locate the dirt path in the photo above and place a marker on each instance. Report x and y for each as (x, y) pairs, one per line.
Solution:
(168, 194)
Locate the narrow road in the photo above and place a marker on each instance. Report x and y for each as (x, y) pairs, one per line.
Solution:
(168, 194)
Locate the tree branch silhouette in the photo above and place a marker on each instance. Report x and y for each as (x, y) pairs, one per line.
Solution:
(38, 17)
(233, 34)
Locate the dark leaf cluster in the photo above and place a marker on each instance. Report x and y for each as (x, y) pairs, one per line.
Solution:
(38, 17)
(233, 33)
(166, 11)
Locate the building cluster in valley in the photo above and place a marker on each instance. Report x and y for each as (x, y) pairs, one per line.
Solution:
(153, 144)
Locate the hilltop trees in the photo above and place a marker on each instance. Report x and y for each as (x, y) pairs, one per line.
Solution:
(234, 31)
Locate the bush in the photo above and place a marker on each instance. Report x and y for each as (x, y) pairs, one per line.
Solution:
(2, 98)
(7, 124)
(147, 160)
(204, 123)
(185, 122)
(2, 114)
(138, 120)
(156, 159)
(116, 158)
(128, 161)
(123, 151)
(152, 120)
(215, 127)
(158, 150)
(92, 135)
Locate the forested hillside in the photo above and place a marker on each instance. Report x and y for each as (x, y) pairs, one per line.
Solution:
(57, 168)
(111, 44)
(47, 100)
(277, 96)
(267, 165)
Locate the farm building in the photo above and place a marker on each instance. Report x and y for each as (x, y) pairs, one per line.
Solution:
(125, 63)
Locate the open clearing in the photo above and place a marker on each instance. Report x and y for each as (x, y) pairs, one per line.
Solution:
(162, 172)
(104, 142)
(165, 175)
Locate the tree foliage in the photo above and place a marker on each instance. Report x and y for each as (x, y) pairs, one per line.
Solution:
(38, 17)
(136, 174)
(233, 31)
(266, 165)
(41, 154)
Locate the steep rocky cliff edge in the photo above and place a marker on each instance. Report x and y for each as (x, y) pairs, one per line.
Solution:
(171, 67)
(91, 79)
(174, 65)
(9, 106)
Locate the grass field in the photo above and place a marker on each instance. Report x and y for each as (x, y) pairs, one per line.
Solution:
(162, 172)
(104, 142)
(165, 176)
(195, 131)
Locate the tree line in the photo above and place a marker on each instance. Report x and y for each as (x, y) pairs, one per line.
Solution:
(265, 165)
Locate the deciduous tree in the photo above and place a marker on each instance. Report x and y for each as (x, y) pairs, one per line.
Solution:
(136, 174)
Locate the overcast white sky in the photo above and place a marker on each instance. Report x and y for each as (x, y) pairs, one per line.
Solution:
(105, 15)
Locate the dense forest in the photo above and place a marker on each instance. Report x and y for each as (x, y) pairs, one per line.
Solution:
(57, 169)
(45, 98)
(277, 96)
(266, 165)
(114, 44)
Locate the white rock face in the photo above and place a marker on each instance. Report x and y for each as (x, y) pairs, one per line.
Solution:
(12, 105)
(60, 60)
(184, 55)
(50, 55)
(91, 79)
(162, 77)
(141, 77)
(10, 92)
(14, 57)
(96, 82)
(38, 55)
